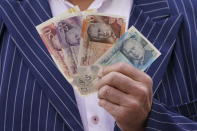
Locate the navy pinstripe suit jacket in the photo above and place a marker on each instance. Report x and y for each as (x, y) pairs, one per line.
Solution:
(35, 96)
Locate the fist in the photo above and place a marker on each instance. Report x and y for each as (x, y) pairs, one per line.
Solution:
(126, 93)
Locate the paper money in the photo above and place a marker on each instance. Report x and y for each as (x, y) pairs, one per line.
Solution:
(61, 36)
(69, 30)
(49, 36)
(84, 81)
(99, 33)
(81, 43)
(132, 48)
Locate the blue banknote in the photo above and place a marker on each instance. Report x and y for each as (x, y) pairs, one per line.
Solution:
(132, 48)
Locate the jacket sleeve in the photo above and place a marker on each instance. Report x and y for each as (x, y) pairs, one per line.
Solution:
(163, 117)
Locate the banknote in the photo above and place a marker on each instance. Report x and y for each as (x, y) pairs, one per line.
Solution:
(85, 79)
(99, 33)
(68, 31)
(132, 48)
(50, 38)
(61, 36)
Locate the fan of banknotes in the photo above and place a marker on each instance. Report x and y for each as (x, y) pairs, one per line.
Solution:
(81, 43)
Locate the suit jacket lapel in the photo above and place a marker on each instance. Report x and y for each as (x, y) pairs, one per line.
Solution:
(21, 19)
(155, 20)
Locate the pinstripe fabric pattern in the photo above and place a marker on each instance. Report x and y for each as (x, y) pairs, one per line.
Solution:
(35, 96)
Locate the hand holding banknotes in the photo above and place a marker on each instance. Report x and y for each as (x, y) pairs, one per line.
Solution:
(126, 93)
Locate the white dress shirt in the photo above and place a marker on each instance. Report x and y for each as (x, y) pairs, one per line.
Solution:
(95, 118)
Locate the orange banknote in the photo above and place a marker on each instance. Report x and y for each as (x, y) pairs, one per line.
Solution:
(99, 33)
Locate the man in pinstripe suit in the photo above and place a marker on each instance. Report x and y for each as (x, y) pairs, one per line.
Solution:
(35, 96)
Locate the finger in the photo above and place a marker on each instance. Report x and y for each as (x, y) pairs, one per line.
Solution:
(124, 84)
(119, 81)
(114, 96)
(127, 70)
(111, 108)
